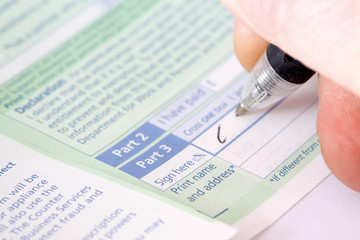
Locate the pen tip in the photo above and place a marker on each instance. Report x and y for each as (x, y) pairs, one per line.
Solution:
(240, 110)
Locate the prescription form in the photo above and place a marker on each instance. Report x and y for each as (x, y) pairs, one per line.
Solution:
(145, 92)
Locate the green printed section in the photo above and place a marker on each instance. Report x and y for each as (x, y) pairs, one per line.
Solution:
(72, 52)
(22, 23)
(91, 97)
(112, 77)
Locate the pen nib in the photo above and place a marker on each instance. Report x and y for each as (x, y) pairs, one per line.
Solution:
(240, 110)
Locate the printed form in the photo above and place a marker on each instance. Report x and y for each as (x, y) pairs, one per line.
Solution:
(144, 92)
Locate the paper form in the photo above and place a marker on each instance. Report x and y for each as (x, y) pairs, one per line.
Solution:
(146, 94)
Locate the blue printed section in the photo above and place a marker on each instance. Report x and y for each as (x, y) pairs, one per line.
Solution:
(130, 145)
(179, 109)
(210, 114)
(156, 156)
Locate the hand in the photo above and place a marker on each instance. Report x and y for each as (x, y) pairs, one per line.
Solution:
(324, 35)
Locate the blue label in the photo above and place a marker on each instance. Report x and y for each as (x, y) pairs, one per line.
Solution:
(156, 156)
(130, 145)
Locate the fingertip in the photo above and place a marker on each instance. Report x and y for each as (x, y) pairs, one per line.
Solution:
(248, 45)
(338, 125)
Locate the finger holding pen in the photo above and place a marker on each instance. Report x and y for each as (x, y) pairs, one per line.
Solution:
(324, 35)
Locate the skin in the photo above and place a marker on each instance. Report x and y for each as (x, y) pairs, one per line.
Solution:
(325, 36)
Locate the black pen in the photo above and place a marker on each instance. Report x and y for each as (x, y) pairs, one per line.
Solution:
(275, 76)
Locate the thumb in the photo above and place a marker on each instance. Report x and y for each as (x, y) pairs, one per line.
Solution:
(323, 34)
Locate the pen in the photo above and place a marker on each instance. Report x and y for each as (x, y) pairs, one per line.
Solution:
(275, 76)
